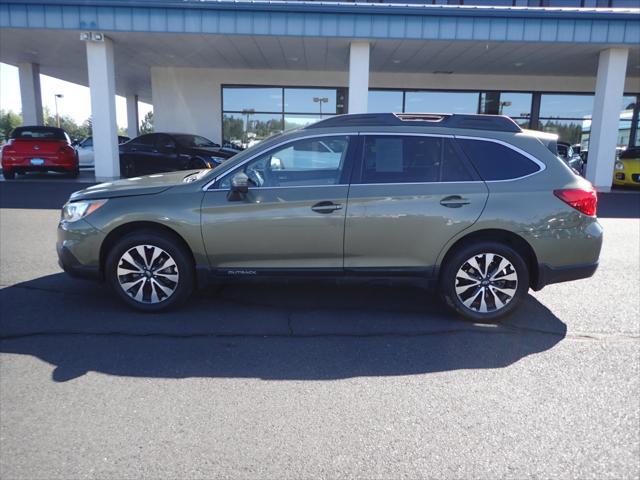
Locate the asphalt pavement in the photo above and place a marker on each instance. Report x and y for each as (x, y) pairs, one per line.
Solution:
(305, 380)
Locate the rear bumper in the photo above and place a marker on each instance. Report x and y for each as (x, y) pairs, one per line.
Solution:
(40, 168)
(548, 275)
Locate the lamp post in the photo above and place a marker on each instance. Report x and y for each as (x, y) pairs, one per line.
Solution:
(55, 98)
(504, 104)
(320, 100)
(247, 112)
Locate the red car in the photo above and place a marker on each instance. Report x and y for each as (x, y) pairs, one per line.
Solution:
(39, 149)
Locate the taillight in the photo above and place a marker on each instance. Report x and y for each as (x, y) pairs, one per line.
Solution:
(66, 150)
(584, 200)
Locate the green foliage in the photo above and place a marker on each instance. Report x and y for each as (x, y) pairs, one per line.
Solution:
(8, 121)
(147, 124)
(568, 132)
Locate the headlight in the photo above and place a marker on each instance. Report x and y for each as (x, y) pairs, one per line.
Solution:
(74, 211)
(619, 166)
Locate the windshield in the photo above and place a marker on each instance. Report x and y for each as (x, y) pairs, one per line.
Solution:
(194, 141)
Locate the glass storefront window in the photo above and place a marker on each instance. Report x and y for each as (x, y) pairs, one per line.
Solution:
(310, 100)
(381, 101)
(567, 115)
(298, 121)
(569, 131)
(624, 127)
(553, 105)
(259, 99)
(251, 114)
(512, 104)
(246, 129)
(441, 102)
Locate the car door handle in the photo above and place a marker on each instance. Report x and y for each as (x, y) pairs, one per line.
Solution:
(454, 201)
(326, 207)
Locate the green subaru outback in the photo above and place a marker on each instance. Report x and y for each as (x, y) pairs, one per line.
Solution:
(469, 203)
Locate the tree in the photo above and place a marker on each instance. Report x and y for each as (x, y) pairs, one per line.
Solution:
(8, 121)
(147, 124)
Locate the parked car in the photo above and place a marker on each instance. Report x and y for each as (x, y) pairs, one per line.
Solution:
(85, 150)
(167, 152)
(627, 168)
(40, 149)
(467, 202)
(570, 157)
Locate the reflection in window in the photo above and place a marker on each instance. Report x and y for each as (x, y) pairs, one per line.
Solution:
(310, 100)
(384, 101)
(237, 99)
(554, 105)
(246, 129)
(565, 115)
(299, 121)
(626, 133)
(251, 114)
(515, 105)
(441, 102)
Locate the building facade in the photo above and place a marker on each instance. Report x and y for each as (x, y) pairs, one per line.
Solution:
(239, 71)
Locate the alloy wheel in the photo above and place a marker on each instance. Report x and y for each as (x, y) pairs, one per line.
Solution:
(148, 274)
(486, 282)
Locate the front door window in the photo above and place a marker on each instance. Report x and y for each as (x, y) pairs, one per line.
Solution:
(306, 162)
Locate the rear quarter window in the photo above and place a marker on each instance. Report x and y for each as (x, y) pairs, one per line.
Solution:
(495, 161)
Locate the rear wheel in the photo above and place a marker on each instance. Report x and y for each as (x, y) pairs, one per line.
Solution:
(8, 174)
(485, 281)
(75, 173)
(150, 271)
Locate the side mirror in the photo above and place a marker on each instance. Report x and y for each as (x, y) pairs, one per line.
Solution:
(75, 142)
(276, 164)
(239, 187)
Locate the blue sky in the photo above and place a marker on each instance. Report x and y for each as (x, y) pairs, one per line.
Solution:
(76, 102)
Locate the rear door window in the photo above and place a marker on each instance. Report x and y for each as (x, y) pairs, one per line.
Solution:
(495, 161)
(411, 159)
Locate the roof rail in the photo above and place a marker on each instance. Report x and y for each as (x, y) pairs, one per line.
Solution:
(498, 123)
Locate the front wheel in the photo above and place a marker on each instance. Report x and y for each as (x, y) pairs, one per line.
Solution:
(485, 281)
(8, 174)
(150, 271)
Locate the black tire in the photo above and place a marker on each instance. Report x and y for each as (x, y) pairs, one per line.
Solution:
(184, 271)
(487, 292)
(75, 173)
(8, 174)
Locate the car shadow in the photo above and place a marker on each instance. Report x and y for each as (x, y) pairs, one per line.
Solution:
(292, 331)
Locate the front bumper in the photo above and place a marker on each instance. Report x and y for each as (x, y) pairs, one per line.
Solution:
(625, 179)
(70, 264)
(78, 248)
